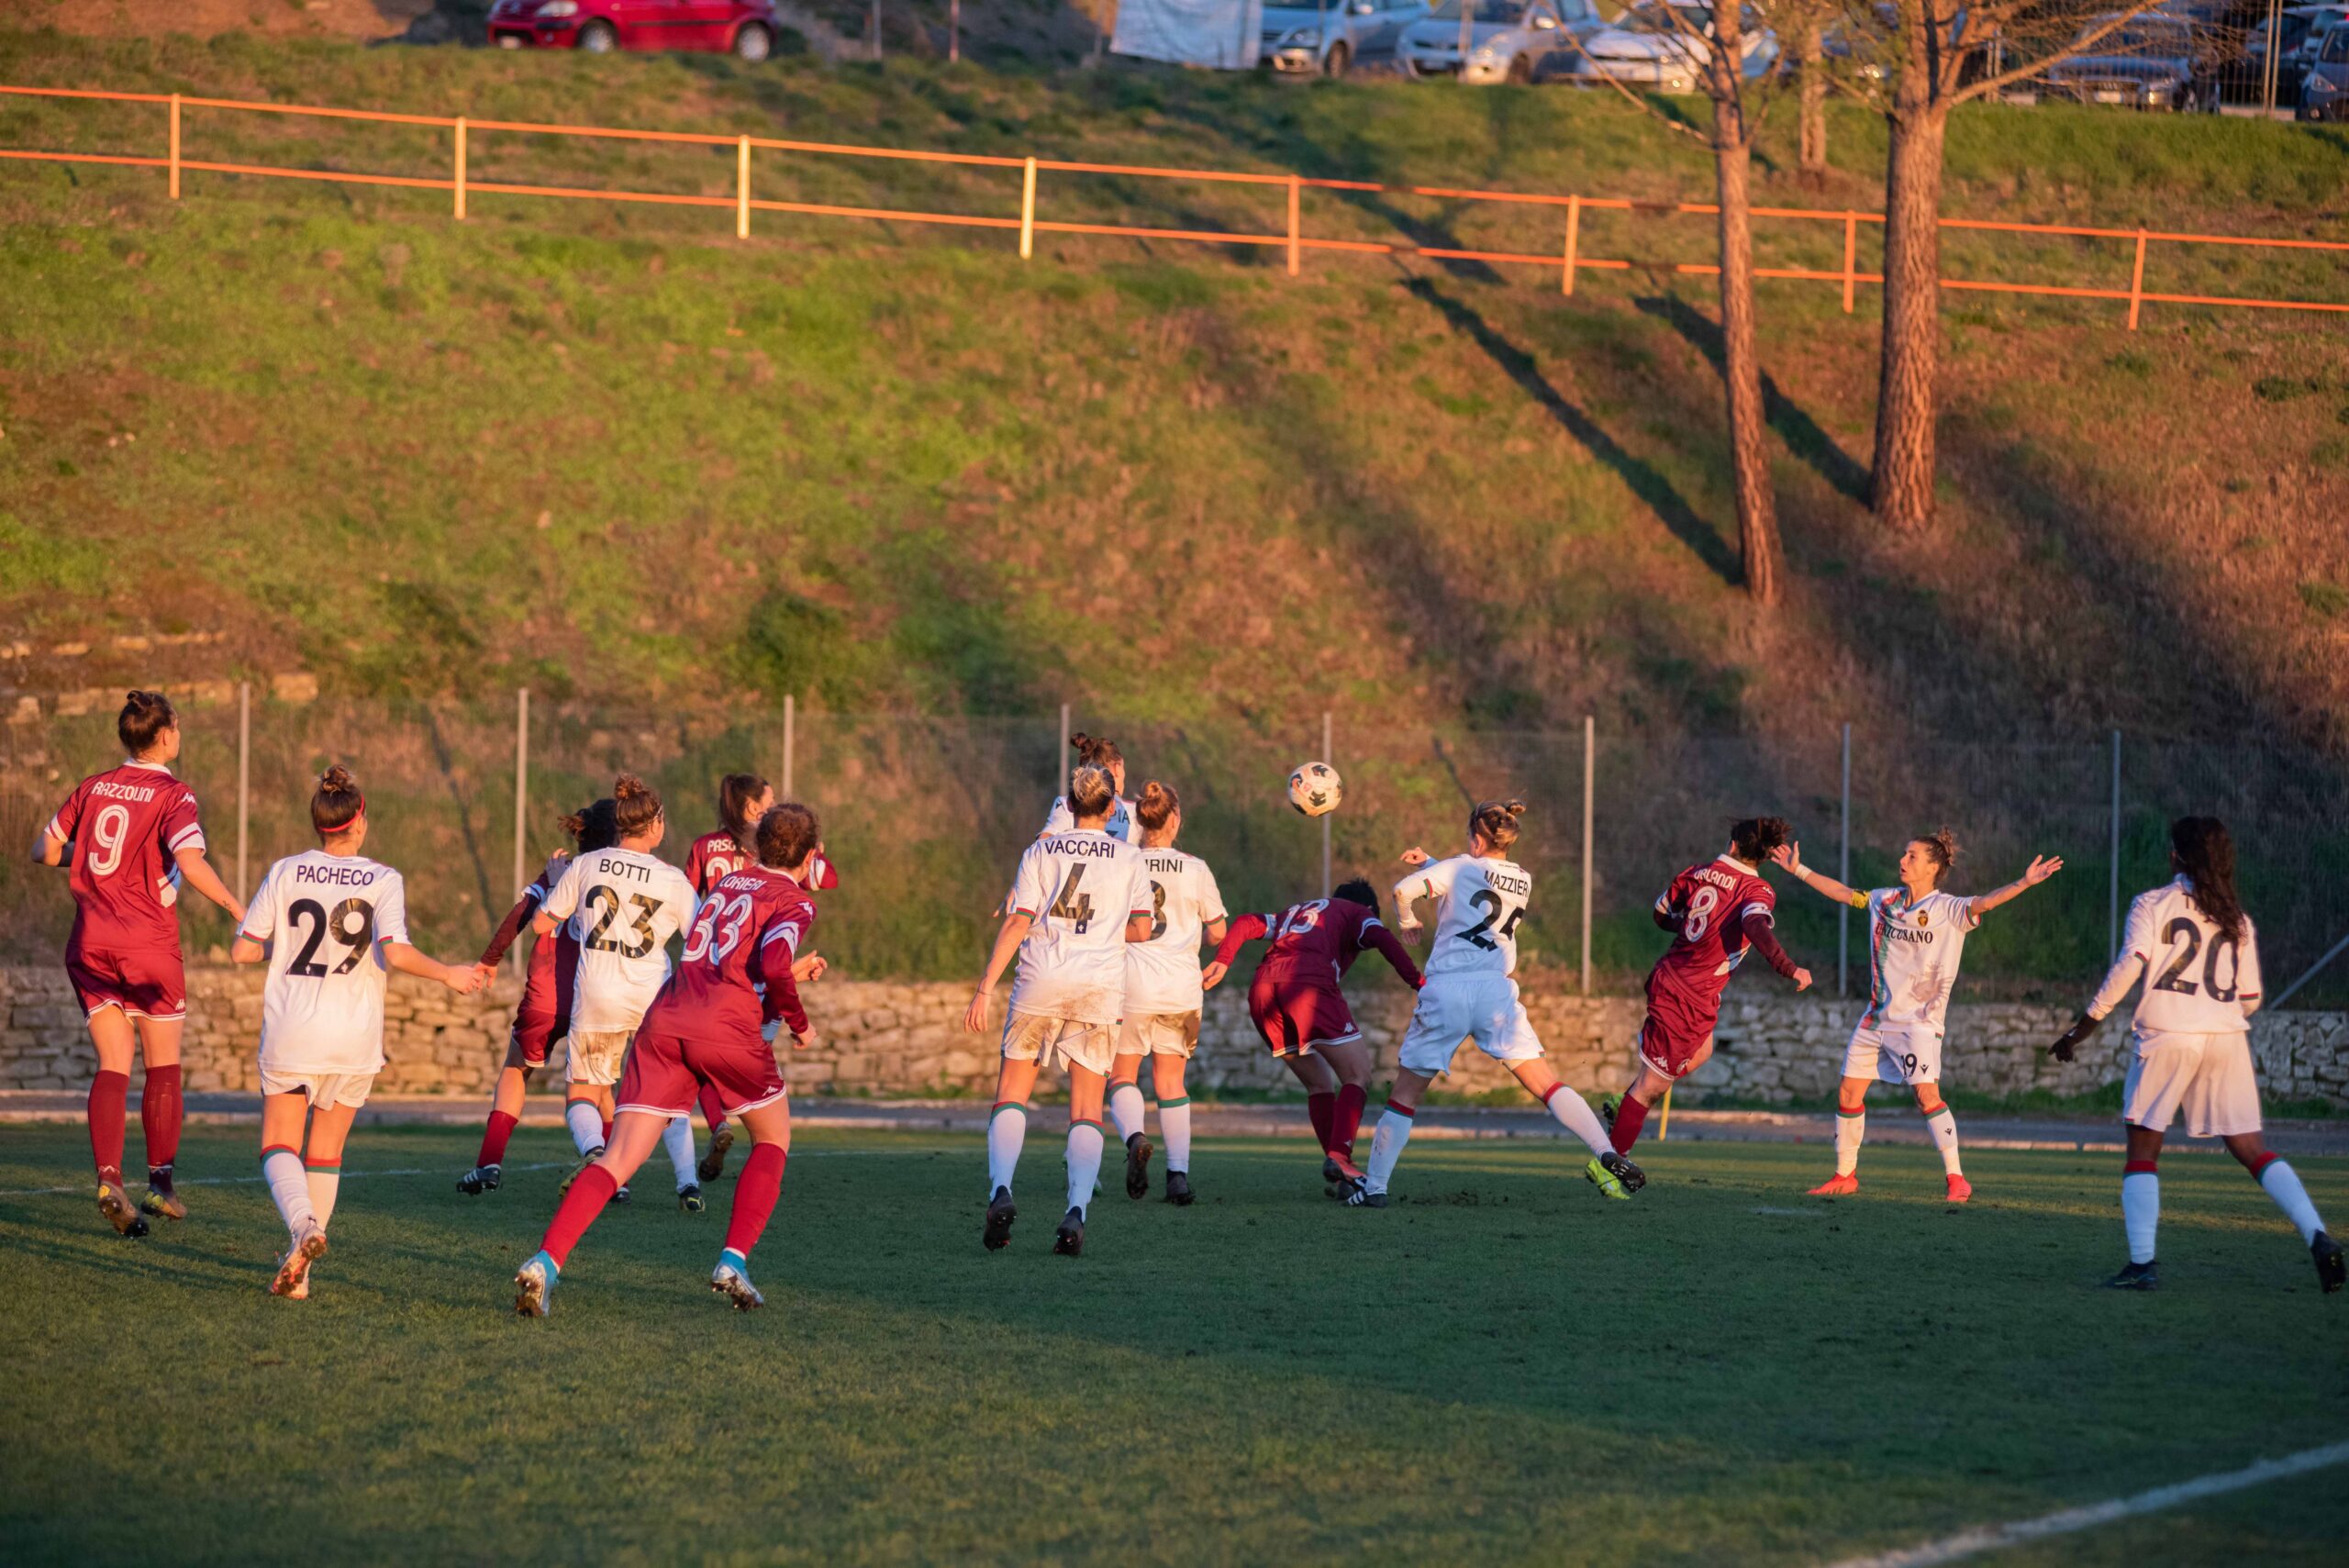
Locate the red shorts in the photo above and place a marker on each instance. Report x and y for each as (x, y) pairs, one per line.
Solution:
(143, 984)
(1674, 1037)
(665, 1073)
(535, 1029)
(1295, 1013)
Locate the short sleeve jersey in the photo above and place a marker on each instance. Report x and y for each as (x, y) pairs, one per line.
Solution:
(1712, 902)
(1317, 935)
(1123, 823)
(753, 925)
(1079, 888)
(719, 854)
(125, 826)
(326, 919)
(621, 906)
(1479, 900)
(1163, 973)
(1913, 952)
(2197, 981)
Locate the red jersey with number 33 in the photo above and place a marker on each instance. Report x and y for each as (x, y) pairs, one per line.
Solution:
(719, 854)
(1710, 904)
(127, 825)
(735, 976)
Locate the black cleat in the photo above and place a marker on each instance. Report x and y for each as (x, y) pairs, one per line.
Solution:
(120, 1212)
(1178, 1188)
(689, 1200)
(2331, 1272)
(620, 1195)
(1330, 1172)
(713, 1164)
(1001, 1212)
(1359, 1196)
(2136, 1276)
(159, 1199)
(1137, 1153)
(580, 1170)
(1069, 1240)
(1622, 1170)
(1608, 1105)
(480, 1179)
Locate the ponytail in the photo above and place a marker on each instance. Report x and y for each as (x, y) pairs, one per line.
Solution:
(336, 804)
(1157, 806)
(737, 793)
(1941, 844)
(1497, 821)
(2205, 851)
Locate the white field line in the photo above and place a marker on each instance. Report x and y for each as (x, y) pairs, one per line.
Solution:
(84, 1188)
(1993, 1538)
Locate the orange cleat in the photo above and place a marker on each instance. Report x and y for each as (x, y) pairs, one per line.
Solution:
(1960, 1189)
(1347, 1169)
(1835, 1187)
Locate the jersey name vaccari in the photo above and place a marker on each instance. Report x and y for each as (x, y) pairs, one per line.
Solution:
(1082, 844)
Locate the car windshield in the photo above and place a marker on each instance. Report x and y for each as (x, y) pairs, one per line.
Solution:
(1495, 11)
(2336, 45)
(1652, 17)
(2140, 39)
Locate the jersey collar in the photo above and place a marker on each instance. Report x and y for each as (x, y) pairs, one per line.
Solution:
(163, 768)
(1739, 864)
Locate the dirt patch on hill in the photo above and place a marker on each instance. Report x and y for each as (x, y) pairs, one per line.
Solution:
(208, 18)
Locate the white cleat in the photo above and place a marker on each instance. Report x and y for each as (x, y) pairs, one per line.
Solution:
(735, 1286)
(534, 1286)
(293, 1280)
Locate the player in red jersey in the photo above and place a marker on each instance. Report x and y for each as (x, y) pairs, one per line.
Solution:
(1296, 1006)
(711, 1025)
(131, 836)
(743, 799)
(544, 1015)
(1717, 913)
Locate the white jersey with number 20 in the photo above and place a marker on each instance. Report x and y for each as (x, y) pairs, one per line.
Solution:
(2197, 982)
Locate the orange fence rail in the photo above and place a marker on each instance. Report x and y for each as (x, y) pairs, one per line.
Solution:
(1568, 261)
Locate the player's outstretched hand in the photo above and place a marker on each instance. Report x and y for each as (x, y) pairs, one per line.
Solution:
(463, 981)
(974, 1016)
(1802, 979)
(1415, 856)
(2040, 869)
(809, 969)
(1787, 855)
(1212, 975)
(802, 1042)
(2068, 1042)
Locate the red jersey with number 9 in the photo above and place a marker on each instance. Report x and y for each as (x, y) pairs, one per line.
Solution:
(735, 974)
(127, 825)
(1710, 904)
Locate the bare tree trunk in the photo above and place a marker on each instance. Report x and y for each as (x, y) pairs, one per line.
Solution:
(1906, 392)
(1757, 509)
(1810, 64)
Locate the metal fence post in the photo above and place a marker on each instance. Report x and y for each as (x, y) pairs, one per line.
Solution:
(522, 788)
(1294, 188)
(244, 777)
(2137, 282)
(1327, 757)
(1028, 209)
(176, 190)
(461, 167)
(1843, 875)
(790, 738)
(742, 188)
(1060, 758)
(1573, 243)
(1589, 795)
(2112, 948)
(876, 29)
(1851, 258)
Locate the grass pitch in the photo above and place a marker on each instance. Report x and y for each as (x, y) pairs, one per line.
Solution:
(1502, 1367)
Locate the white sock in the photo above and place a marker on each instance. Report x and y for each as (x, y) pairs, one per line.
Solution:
(1007, 1131)
(2140, 1212)
(678, 1139)
(1126, 1109)
(1943, 1126)
(1386, 1145)
(1851, 1131)
(289, 1187)
(586, 1124)
(2282, 1184)
(1083, 1163)
(325, 1182)
(1573, 1113)
(1174, 1126)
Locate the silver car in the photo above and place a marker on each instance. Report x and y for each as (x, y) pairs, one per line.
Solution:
(1305, 40)
(1506, 40)
(1665, 44)
(2324, 90)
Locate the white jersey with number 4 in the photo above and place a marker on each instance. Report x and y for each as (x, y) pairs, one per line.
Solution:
(1913, 952)
(621, 908)
(1078, 888)
(1163, 973)
(1479, 901)
(326, 919)
(2197, 982)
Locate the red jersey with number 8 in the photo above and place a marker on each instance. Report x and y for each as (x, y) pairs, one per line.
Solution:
(735, 974)
(127, 826)
(1707, 906)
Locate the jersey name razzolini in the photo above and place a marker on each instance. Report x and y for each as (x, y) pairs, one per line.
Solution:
(110, 790)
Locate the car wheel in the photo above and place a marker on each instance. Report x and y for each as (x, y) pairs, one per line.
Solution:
(1340, 58)
(1521, 70)
(598, 38)
(753, 43)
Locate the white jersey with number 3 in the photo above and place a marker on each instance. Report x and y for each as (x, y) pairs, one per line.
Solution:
(1479, 901)
(1163, 973)
(326, 919)
(1077, 889)
(2197, 982)
(621, 906)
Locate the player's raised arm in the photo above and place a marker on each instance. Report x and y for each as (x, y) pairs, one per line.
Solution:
(1788, 857)
(2039, 870)
(510, 927)
(2138, 938)
(1238, 934)
(1428, 878)
(559, 903)
(1763, 933)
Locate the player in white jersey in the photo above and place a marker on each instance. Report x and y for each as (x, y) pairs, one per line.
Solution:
(1916, 936)
(1078, 898)
(1163, 995)
(330, 924)
(2199, 957)
(621, 906)
(1471, 992)
(1092, 751)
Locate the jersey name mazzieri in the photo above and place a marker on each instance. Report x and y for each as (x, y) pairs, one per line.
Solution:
(326, 919)
(1078, 888)
(621, 906)
(1163, 973)
(1479, 902)
(2197, 982)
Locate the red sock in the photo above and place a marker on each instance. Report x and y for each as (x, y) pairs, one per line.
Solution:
(755, 1194)
(712, 1111)
(1323, 1111)
(495, 1137)
(1631, 1116)
(109, 1093)
(1349, 1117)
(160, 1111)
(577, 1211)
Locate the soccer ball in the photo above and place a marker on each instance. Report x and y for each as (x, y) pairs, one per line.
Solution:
(1315, 789)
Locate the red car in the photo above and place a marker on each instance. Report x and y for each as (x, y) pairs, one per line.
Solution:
(744, 27)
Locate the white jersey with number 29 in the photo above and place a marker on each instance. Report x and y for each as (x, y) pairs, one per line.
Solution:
(2197, 982)
(1077, 889)
(326, 919)
(1479, 900)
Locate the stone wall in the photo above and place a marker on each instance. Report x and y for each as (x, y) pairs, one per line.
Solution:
(874, 1037)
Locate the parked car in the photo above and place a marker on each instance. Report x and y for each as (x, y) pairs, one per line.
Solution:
(1508, 41)
(744, 27)
(2154, 63)
(1301, 41)
(1666, 44)
(2324, 90)
(2302, 29)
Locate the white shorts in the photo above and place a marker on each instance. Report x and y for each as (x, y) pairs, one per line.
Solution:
(1069, 1042)
(1454, 1007)
(323, 1089)
(1159, 1034)
(2209, 1077)
(596, 1056)
(1896, 1054)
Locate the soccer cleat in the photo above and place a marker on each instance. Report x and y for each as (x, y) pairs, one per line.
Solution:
(1069, 1240)
(689, 1200)
(1347, 1170)
(2331, 1272)
(1358, 1195)
(120, 1212)
(620, 1195)
(1137, 1153)
(480, 1179)
(1960, 1189)
(2136, 1276)
(1178, 1188)
(1837, 1187)
(1330, 1172)
(162, 1202)
(713, 1164)
(1608, 1105)
(1001, 1212)
(734, 1284)
(534, 1285)
(293, 1269)
(1614, 1177)
(580, 1170)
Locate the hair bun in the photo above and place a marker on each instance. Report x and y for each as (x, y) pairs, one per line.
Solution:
(1514, 808)
(337, 779)
(628, 786)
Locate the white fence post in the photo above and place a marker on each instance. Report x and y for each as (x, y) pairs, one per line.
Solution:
(244, 778)
(1326, 757)
(790, 739)
(1843, 875)
(1060, 758)
(521, 798)
(1589, 793)
(2112, 912)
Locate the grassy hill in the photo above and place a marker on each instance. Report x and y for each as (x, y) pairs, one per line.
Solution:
(667, 477)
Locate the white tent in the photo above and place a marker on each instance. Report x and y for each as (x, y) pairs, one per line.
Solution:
(1223, 34)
